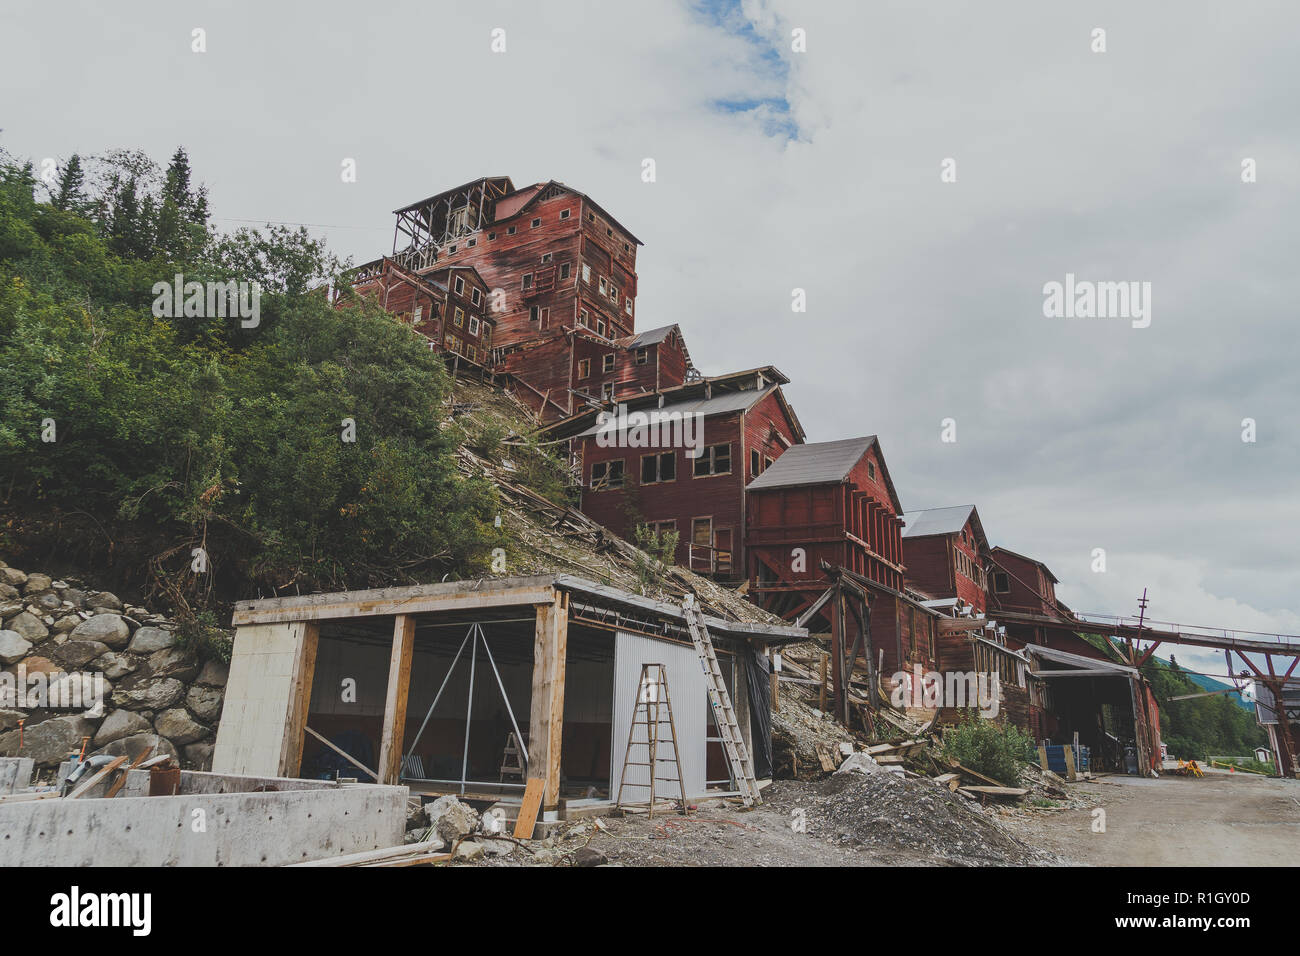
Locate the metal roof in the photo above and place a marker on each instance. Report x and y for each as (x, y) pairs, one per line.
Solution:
(718, 405)
(648, 337)
(820, 463)
(920, 524)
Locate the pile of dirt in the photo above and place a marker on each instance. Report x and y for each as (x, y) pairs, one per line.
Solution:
(902, 820)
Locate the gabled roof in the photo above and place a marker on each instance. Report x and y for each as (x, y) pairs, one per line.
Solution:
(821, 463)
(507, 207)
(717, 386)
(1025, 557)
(655, 337)
(718, 405)
(934, 521)
(500, 182)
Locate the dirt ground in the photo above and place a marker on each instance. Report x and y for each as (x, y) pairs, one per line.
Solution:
(1217, 820)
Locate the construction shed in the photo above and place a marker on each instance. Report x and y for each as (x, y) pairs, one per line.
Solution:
(473, 687)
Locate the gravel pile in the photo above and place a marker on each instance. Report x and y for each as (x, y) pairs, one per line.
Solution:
(910, 821)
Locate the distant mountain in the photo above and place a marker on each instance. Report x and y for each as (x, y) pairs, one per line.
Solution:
(1209, 683)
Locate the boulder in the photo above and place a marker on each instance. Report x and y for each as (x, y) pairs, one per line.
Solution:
(586, 856)
(469, 850)
(214, 674)
(40, 665)
(75, 597)
(174, 662)
(452, 819)
(199, 756)
(7, 591)
(49, 742)
(49, 602)
(150, 639)
(107, 628)
(104, 599)
(179, 727)
(13, 577)
(120, 723)
(205, 703)
(28, 626)
(65, 624)
(13, 647)
(145, 692)
(116, 666)
(137, 744)
(36, 583)
(76, 654)
(9, 719)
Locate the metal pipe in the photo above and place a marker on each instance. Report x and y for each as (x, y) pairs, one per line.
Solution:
(519, 738)
(469, 713)
(438, 696)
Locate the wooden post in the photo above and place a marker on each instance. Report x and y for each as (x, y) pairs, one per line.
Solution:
(304, 671)
(821, 699)
(776, 692)
(546, 710)
(393, 736)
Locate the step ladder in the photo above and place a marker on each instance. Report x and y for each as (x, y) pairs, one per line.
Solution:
(724, 717)
(653, 709)
(512, 764)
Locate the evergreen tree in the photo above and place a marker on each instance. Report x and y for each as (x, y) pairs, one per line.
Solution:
(68, 193)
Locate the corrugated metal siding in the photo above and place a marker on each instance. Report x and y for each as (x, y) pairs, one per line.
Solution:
(689, 697)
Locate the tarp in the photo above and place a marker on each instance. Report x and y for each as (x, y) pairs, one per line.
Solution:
(757, 674)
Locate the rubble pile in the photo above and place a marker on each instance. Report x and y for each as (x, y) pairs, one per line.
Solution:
(890, 815)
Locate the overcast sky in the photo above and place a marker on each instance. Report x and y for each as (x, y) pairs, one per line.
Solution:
(820, 170)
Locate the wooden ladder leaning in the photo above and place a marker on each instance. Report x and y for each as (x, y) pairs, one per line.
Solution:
(724, 716)
(653, 709)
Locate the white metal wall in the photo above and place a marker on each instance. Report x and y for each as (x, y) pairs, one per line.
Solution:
(689, 696)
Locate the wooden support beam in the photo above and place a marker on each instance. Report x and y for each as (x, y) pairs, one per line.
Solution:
(546, 711)
(399, 685)
(304, 672)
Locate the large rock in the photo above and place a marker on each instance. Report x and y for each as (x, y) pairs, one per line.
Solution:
(76, 654)
(65, 624)
(28, 626)
(174, 662)
(13, 647)
(49, 742)
(7, 591)
(120, 723)
(150, 639)
(75, 596)
(144, 692)
(116, 666)
(859, 762)
(137, 744)
(205, 703)
(452, 819)
(9, 719)
(103, 599)
(36, 583)
(214, 674)
(109, 629)
(13, 577)
(199, 756)
(179, 727)
(49, 602)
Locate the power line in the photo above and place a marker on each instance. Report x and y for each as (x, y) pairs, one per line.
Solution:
(310, 225)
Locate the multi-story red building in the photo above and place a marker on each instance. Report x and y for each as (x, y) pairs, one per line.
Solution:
(561, 275)
(447, 305)
(743, 424)
(945, 551)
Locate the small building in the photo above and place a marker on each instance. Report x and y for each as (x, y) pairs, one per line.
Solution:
(470, 687)
(945, 551)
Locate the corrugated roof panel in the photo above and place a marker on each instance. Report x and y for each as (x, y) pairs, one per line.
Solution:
(718, 405)
(919, 524)
(817, 464)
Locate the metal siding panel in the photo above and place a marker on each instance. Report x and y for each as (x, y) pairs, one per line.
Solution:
(689, 697)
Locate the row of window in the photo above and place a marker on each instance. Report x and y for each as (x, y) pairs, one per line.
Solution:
(454, 344)
(968, 568)
(661, 467)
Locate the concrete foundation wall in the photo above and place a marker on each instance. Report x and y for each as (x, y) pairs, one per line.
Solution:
(258, 694)
(242, 829)
(15, 774)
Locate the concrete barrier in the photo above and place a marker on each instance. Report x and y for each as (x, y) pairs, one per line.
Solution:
(15, 774)
(301, 820)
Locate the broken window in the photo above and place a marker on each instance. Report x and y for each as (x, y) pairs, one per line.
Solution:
(715, 460)
(607, 475)
(659, 467)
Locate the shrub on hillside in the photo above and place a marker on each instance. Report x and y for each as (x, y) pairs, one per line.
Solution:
(993, 749)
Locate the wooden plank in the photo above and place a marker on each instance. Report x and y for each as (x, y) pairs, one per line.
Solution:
(374, 856)
(103, 772)
(393, 735)
(996, 791)
(120, 782)
(971, 773)
(419, 599)
(1069, 762)
(1042, 757)
(528, 809)
(950, 780)
(546, 710)
(304, 672)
